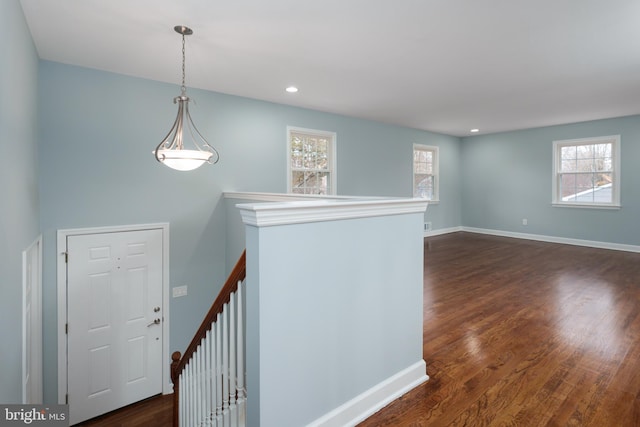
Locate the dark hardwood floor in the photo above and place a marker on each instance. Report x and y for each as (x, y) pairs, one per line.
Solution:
(516, 333)
(522, 333)
(154, 412)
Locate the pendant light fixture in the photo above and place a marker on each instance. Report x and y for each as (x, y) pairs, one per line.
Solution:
(184, 148)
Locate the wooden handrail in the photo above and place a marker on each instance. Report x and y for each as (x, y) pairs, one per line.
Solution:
(178, 362)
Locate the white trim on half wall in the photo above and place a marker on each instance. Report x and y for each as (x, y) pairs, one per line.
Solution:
(377, 397)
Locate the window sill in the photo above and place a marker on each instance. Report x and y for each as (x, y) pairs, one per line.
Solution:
(584, 206)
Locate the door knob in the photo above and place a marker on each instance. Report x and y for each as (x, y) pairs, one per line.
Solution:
(156, 309)
(155, 322)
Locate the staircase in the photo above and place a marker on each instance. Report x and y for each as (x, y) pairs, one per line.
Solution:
(209, 379)
(359, 260)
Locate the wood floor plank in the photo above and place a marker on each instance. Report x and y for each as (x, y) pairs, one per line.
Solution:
(524, 333)
(155, 411)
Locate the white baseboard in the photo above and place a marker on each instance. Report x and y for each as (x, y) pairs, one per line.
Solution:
(552, 239)
(377, 397)
(538, 237)
(442, 231)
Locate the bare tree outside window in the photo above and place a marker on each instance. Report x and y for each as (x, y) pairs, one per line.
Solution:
(311, 160)
(425, 171)
(586, 171)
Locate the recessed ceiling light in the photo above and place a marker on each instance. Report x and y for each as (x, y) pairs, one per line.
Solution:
(474, 130)
(292, 89)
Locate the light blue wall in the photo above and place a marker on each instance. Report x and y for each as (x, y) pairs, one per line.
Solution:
(19, 189)
(375, 159)
(507, 177)
(330, 322)
(97, 131)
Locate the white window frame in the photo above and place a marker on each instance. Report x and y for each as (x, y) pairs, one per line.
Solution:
(333, 190)
(614, 140)
(436, 170)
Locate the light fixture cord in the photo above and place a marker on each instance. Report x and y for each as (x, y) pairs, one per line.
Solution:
(184, 87)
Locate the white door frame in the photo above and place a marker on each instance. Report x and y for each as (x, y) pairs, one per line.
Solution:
(32, 326)
(167, 386)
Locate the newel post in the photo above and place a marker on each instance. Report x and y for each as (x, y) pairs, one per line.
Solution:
(175, 379)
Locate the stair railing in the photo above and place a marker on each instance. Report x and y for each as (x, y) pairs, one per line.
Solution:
(208, 380)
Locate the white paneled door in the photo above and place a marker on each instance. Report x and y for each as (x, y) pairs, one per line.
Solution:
(115, 320)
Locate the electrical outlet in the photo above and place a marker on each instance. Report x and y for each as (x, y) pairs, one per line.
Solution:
(427, 226)
(180, 291)
(525, 221)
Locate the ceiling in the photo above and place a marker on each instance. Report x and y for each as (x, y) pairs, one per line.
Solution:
(441, 65)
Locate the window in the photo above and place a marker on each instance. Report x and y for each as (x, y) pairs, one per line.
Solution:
(311, 161)
(586, 172)
(425, 172)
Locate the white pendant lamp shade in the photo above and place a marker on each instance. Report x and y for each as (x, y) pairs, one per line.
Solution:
(184, 148)
(184, 160)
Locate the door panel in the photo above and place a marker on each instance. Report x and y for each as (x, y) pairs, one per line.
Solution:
(114, 347)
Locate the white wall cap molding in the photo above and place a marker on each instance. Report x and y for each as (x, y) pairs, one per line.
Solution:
(287, 197)
(297, 212)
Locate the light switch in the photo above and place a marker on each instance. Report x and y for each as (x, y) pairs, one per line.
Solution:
(179, 291)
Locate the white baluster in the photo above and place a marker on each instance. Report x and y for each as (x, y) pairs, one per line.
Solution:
(202, 387)
(194, 393)
(188, 394)
(232, 361)
(207, 377)
(213, 374)
(225, 363)
(202, 415)
(181, 419)
(183, 396)
(240, 358)
(203, 383)
(196, 387)
(218, 371)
